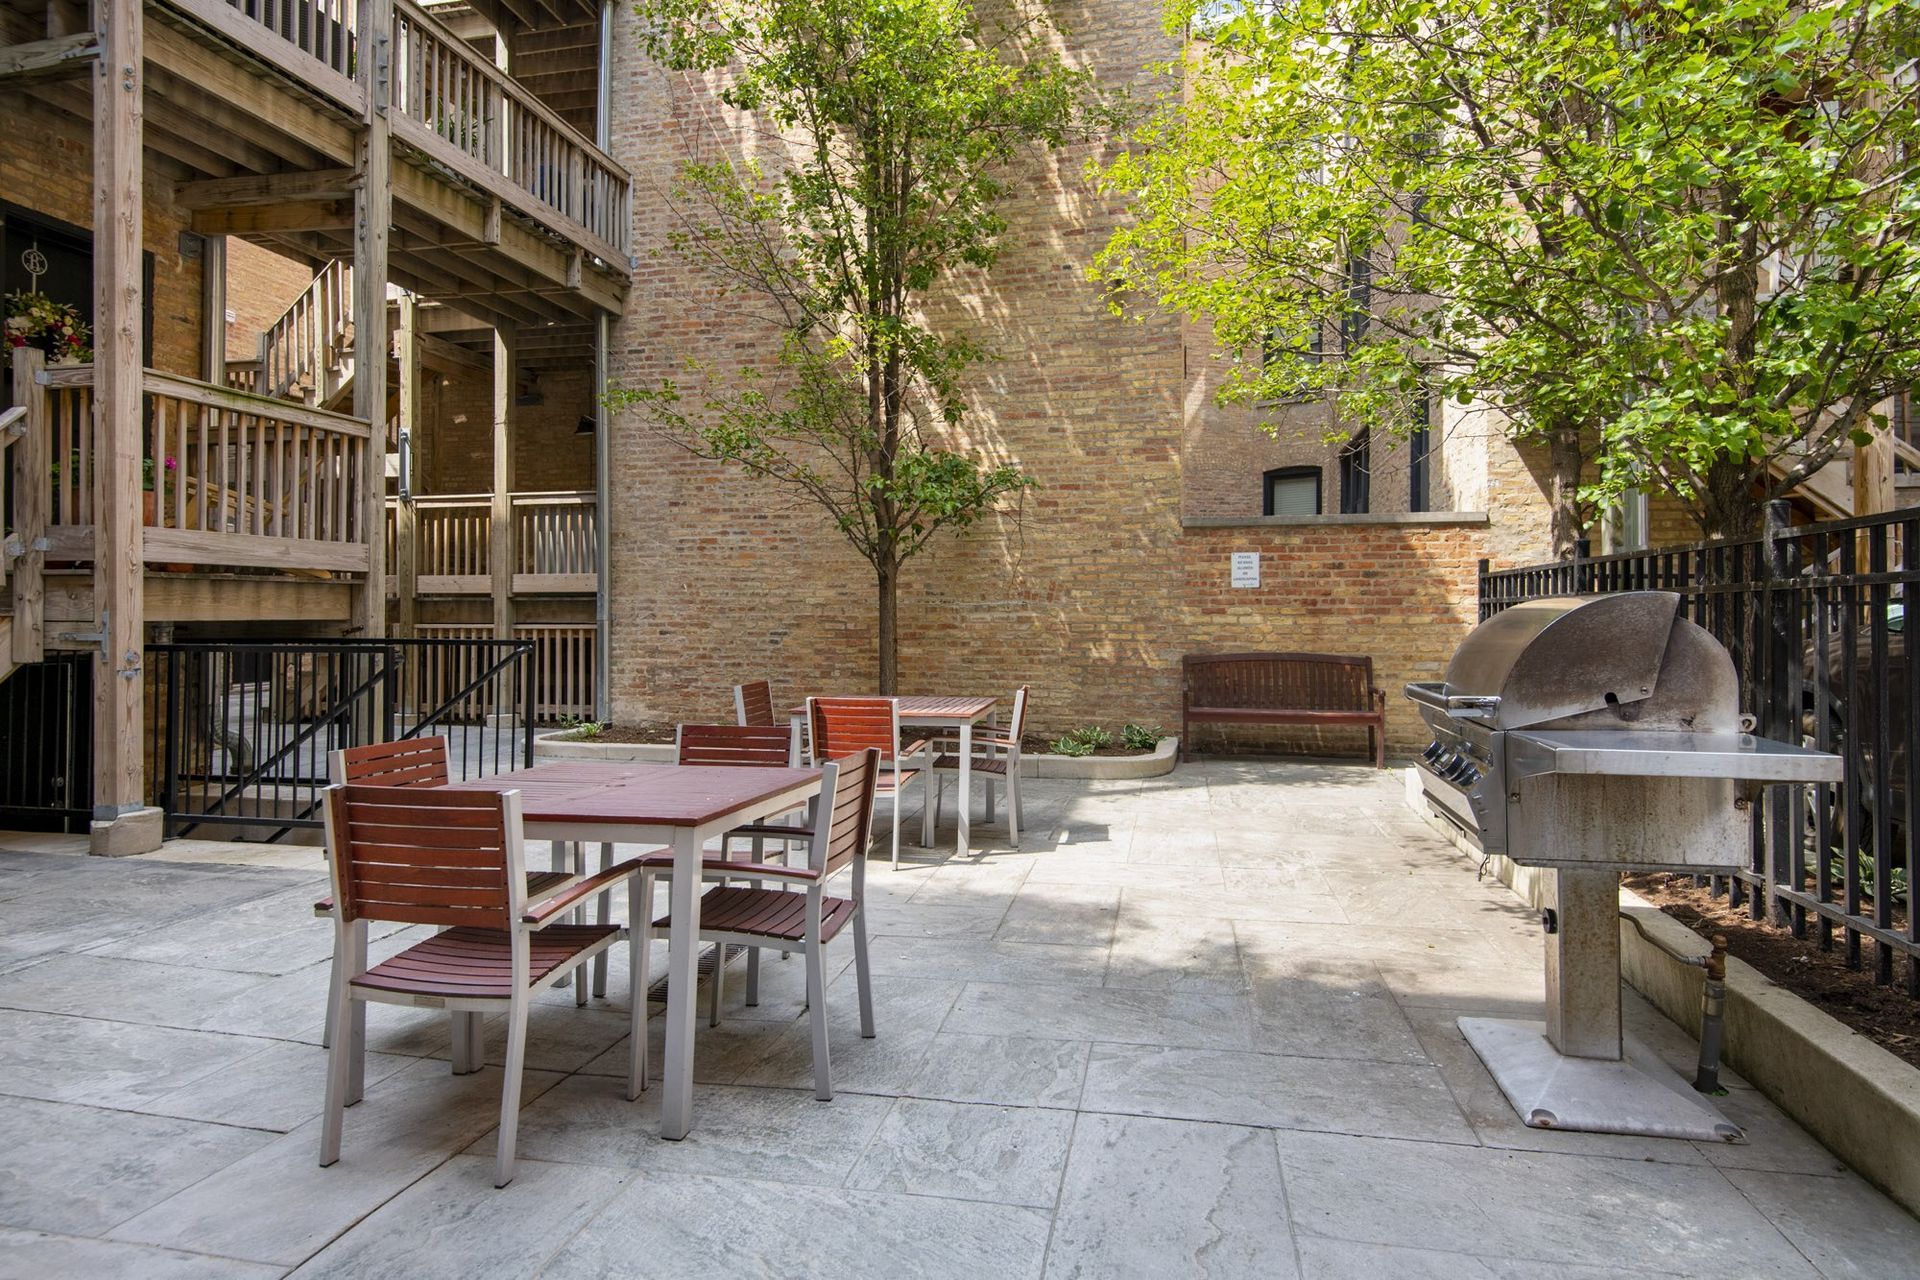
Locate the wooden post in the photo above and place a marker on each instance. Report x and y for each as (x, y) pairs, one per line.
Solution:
(406, 547)
(213, 307)
(501, 550)
(30, 508)
(119, 774)
(372, 219)
(1873, 474)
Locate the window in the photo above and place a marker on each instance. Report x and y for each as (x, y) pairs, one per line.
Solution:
(1291, 491)
(1354, 476)
(1278, 341)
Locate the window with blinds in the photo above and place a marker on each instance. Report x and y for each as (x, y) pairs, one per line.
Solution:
(1291, 491)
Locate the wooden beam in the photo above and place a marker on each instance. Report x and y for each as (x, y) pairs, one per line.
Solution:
(1873, 491)
(282, 55)
(373, 221)
(266, 188)
(48, 59)
(299, 215)
(213, 311)
(119, 774)
(501, 552)
(444, 357)
(232, 93)
(406, 547)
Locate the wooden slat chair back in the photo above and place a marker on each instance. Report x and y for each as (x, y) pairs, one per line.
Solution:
(753, 702)
(845, 726)
(756, 917)
(454, 859)
(424, 856)
(842, 727)
(1282, 688)
(411, 762)
(765, 745)
(841, 832)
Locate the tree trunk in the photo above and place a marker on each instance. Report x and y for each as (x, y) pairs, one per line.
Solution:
(1728, 506)
(888, 577)
(1565, 461)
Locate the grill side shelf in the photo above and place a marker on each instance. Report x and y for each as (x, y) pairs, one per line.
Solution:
(1661, 753)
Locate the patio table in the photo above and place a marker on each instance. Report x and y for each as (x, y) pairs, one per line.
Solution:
(930, 712)
(682, 806)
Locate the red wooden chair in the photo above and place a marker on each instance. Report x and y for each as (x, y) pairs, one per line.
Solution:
(753, 703)
(720, 744)
(847, 726)
(807, 919)
(995, 755)
(410, 762)
(452, 859)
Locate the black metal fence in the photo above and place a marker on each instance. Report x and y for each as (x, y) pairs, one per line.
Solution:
(46, 744)
(241, 729)
(1815, 619)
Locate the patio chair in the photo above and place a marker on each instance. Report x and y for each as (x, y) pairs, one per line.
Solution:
(410, 762)
(753, 703)
(803, 917)
(720, 744)
(847, 726)
(451, 859)
(995, 754)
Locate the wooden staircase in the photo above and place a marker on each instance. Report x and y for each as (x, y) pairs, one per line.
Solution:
(20, 592)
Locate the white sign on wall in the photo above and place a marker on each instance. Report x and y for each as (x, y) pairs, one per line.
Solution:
(1246, 569)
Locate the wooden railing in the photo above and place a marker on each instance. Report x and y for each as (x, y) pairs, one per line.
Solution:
(562, 663)
(445, 92)
(237, 480)
(242, 375)
(555, 543)
(305, 350)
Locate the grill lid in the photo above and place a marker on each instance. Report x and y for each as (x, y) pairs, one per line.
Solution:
(1548, 659)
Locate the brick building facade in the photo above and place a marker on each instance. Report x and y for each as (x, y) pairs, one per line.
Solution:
(1094, 584)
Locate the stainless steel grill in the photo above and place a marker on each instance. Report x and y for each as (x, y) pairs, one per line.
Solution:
(1594, 735)
(1564, 724)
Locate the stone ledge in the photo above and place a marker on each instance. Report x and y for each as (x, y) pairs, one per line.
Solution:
(1416, 519)
(1160, 760)
(1857, 1099)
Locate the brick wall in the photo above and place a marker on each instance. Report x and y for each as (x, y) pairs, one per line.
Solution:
(261, 284)
(54, 177)
(1089, 589)
(549, 454)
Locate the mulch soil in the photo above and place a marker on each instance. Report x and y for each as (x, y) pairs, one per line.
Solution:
(1884, 1014)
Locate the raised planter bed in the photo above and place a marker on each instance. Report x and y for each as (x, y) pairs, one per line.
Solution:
(1161, 760)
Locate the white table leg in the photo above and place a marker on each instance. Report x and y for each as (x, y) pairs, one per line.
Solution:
(683, 974)
(993, 722)
(563, 861)
(793, 742)
(966, 771)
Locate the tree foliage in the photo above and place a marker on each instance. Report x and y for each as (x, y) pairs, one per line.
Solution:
(891, 125)
(1673, 238)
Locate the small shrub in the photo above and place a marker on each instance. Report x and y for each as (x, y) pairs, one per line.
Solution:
(580, 729)
(1083, 741)
(1140, 737)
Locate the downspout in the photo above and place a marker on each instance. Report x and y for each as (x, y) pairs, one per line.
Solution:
(602, 436)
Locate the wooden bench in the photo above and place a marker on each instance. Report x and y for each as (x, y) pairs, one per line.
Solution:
(1281, 688)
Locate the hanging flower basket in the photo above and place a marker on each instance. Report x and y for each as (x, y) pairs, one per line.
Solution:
(35, 320)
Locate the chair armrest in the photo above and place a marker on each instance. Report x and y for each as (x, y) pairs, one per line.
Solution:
(772, 829)
(545, 913)
(913, 748)
(324, 907)
(771, 870)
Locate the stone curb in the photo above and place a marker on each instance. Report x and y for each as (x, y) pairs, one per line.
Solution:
(1161, 760)
(1861, 1102)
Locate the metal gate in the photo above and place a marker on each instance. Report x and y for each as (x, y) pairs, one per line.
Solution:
(46, 745)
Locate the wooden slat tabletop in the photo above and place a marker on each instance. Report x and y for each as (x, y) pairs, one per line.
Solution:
(648, 795)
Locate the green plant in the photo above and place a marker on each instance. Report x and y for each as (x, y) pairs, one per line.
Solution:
(1140, 737)
(1083, 741)
(579, 727)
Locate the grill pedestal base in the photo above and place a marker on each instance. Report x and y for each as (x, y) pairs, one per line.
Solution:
(1637, 1094)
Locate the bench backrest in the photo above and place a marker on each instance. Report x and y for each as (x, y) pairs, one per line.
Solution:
(1278, 681)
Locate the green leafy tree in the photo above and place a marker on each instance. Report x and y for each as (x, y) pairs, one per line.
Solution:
(1672, 239)
(894, 122)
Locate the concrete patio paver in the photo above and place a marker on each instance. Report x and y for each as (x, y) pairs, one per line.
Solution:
(1201, 1024)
